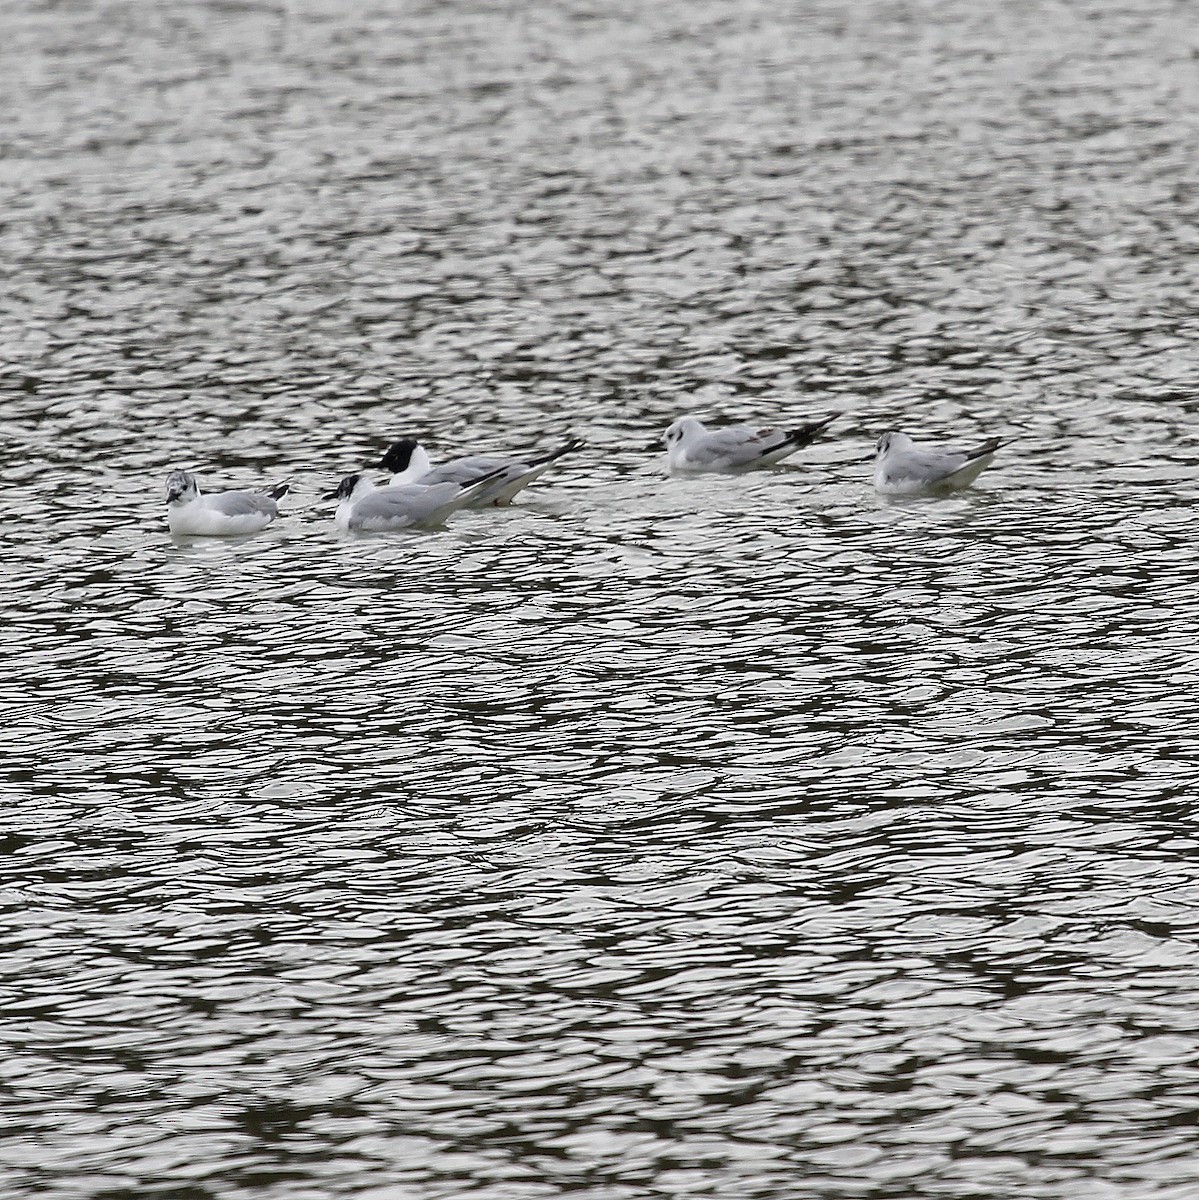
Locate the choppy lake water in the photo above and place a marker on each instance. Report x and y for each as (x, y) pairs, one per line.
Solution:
(743, 837)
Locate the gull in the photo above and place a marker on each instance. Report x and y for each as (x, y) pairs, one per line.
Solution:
(690, 446)
(223, 514)
(366, 507)
(409, 463)
(901, 468)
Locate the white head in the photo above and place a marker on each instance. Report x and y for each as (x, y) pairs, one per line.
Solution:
(182, 487)
(893, 441)
(682, 430)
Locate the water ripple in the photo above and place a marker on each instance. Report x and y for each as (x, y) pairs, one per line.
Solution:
(743, 837)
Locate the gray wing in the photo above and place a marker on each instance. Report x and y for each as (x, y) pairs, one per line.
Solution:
(930, 466)
(736, 445)
(466, 470)
(399, 506)
(243, 504)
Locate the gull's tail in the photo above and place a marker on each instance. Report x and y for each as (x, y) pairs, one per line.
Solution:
(521, 477)
(572, 444)
(977, 460)
(988, 447)
(801, 435)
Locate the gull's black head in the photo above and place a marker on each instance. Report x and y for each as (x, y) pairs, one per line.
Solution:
(344, 490)
(399, 455)
(181, 486)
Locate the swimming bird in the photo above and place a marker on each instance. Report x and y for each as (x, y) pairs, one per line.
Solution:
(223, 514)
(366, 507)
(408, 462)
(691, 446)
(901, 468)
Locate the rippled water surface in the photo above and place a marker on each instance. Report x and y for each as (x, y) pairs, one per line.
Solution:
(742, 837)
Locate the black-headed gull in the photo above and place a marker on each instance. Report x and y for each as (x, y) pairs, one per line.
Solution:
(222, 514)
(691, 446)
(365, 507)
(902, 468)
(408, 462)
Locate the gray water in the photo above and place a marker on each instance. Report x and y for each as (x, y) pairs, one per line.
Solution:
(744, 837)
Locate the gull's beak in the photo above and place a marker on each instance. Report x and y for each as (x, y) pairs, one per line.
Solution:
(330, 495)
(866, 457)
(173, 495)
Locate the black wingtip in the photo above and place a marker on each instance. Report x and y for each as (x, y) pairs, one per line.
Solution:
(470, 483)
(278, 491)
(801, 435)
(988, 447)
(569, 447)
